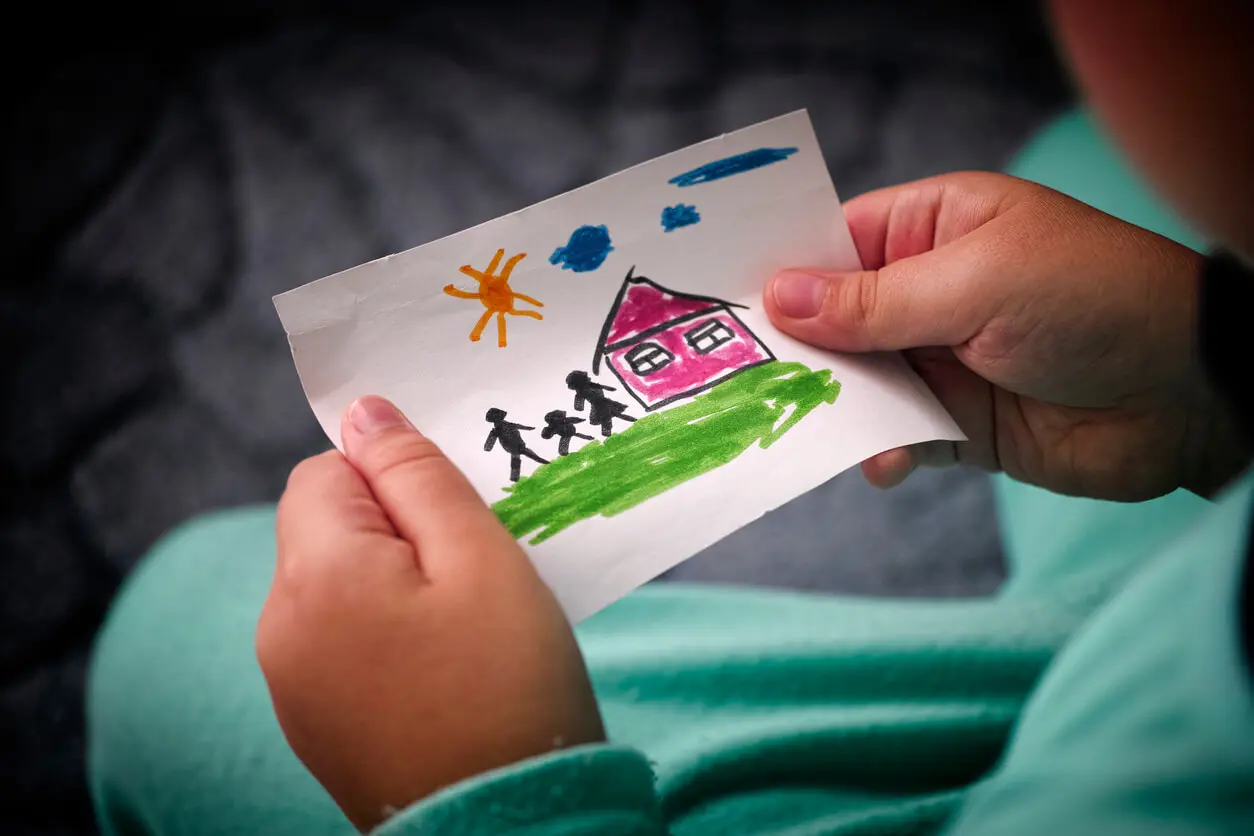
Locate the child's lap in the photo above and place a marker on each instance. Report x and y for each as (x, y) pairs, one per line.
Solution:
(184, 738)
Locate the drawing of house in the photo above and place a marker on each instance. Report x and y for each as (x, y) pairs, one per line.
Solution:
(664, 345)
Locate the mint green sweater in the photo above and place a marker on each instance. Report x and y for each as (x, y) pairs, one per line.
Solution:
(739, 711)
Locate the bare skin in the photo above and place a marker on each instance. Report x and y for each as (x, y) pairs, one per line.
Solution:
(407, 641)
(1173, 82)
(1061, 339)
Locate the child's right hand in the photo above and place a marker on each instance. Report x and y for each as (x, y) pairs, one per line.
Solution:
(1061, 339)
(407, 641)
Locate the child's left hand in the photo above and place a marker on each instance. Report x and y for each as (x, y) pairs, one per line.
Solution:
(407, 641)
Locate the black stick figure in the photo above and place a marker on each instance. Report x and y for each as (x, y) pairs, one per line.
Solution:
(602, 411)
(511, 441)
(557, 423)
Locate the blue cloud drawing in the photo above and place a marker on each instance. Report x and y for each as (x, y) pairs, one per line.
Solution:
(586, 250)
(673, 217)
(728, 166)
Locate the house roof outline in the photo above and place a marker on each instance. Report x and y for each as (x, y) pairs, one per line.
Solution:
(604, 345)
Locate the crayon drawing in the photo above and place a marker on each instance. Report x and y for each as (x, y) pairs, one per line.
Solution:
(602, 410)
(509, 435)
(496, 295)
(663, 346)
(625, 431)
(562, 426)
(586, 250)
(678, 216)
(665, 449)
(728, 166)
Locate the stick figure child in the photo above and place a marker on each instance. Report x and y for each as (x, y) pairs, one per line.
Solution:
(557, 423)
(602, 410)
(511, 440)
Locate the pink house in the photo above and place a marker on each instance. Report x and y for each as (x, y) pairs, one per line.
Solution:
(665, 345)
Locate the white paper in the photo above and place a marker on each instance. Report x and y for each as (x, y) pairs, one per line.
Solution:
(388, 328)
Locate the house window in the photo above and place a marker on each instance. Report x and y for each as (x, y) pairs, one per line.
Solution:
(708, 336)
(647, 358)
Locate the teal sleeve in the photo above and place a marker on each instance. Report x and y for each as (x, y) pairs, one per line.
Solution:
(588, 791)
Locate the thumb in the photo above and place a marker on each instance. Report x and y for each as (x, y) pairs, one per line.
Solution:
(937, 298)
(427, 499)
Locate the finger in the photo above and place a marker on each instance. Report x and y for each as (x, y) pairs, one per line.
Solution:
(427, 499)
(890, 468)
(940, 298)
(327, 504)
(864, 311)
(913, 218)
(933, 256)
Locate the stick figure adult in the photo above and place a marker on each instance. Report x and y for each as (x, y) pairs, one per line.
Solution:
(602, 410)
(510, 436)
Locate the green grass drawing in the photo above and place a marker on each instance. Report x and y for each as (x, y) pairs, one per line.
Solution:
(665, 449)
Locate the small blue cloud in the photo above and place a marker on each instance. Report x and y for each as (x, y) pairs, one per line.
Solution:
(586, 250)
(673, 217)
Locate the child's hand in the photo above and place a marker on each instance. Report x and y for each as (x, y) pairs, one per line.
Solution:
(1061, 339)
(407, 641)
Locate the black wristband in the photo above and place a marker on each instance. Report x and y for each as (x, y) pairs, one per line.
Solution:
(1226, 331)
(1226, 341)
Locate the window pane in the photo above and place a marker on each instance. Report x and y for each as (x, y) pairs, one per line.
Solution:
(708, 336)
(647, 358)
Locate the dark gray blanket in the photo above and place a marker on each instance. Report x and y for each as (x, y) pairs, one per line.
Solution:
(161, 192)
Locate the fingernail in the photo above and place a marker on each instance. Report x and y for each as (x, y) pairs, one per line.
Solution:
(799, 295)
(370, 414)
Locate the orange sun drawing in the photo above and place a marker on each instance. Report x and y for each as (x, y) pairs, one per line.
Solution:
(496, 295)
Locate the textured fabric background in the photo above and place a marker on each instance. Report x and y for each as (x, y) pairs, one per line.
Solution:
(165, 181)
